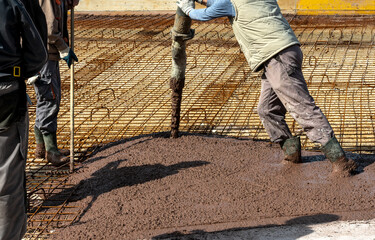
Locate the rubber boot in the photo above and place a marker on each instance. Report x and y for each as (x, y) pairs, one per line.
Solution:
(340, 163)
(40, 149)
(52, 153)
(64, 152)
(292, 150)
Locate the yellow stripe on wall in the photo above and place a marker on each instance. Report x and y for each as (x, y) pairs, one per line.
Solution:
(335, 7)
(287, 6)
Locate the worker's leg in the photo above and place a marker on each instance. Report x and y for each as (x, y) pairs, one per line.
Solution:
(272, 114)
(48, 92)
(285, 77)
(13, 151)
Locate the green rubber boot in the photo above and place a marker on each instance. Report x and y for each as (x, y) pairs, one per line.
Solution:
(52, 153)
(340, 163)
(292, 150)
(64, 152)
(40, 149)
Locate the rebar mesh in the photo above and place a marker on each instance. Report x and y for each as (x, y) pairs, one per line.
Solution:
(122, 90)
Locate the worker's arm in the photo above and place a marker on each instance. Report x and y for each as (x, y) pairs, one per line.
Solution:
(33, 49)
(215, 9)
(37, 15)
(53, 15)
(52, 10)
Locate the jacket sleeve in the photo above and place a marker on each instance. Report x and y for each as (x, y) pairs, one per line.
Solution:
(37, 15)
(53, 15)
(33, 50)
(215, 9)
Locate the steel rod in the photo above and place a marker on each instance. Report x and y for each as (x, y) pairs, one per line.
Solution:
(71, 164)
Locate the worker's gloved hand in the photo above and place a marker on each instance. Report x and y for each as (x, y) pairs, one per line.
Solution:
(68, 55)
(186, 5)
(32, 79)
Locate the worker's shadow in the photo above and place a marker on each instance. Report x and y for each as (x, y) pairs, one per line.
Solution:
(112, 177)
(292, 229)
(89, 158)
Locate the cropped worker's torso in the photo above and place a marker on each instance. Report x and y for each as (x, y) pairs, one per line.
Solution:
(10, 49)
(15, 59)
(261, 30)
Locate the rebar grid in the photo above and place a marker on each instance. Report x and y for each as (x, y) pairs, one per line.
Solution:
(122, 90)
(45, 213)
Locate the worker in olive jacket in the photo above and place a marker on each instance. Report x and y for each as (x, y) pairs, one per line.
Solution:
(269, 44)
(22, 55)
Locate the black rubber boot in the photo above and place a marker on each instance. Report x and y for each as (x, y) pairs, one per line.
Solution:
(40, 149)
(340, 163)
(52, 153)
(292, 150)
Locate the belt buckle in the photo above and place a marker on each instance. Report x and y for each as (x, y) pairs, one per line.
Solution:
(16, 71)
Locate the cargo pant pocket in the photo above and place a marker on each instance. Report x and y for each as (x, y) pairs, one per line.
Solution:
(43, 88)
(289, 68)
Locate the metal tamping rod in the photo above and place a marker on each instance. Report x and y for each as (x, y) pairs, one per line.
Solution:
(71, 165)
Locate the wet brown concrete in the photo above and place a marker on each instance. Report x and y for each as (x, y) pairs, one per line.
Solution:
(153, 187)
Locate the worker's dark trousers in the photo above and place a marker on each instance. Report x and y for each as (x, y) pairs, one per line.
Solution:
(48, 94)
(284, 89)
(13, 152)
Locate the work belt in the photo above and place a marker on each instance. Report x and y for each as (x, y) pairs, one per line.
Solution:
(9, 80)
(10, 73)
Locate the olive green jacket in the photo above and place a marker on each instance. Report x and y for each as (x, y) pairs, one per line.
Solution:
(261, 30)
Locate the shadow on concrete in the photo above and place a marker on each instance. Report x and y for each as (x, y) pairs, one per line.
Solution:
(111, 176)
(291, 230)
(314, 158)
(363, 160)
(89, 153)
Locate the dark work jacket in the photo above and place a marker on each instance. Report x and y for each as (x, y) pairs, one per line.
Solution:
(37, 15)
(21, 46)
(30, 53)
(55, 12)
